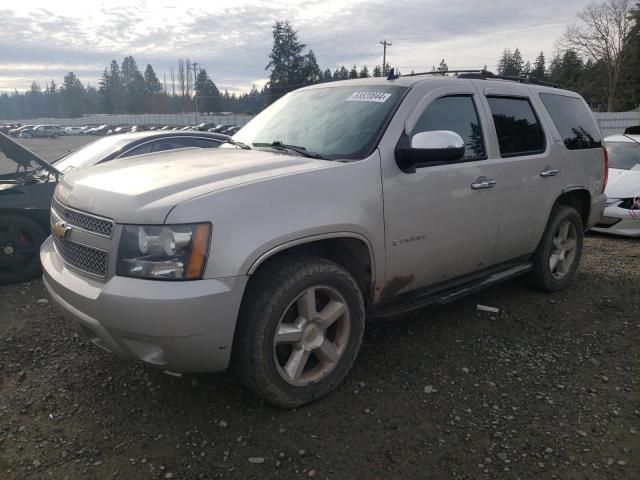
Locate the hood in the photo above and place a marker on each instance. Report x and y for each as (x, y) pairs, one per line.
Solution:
(22, 156)
(623, 183)
(144, 189)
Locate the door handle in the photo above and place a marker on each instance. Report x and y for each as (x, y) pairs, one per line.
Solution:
(549, 172)
(482, 183)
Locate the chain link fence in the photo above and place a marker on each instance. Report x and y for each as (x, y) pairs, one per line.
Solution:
(159, 119)
(615, 123)
(610, 123)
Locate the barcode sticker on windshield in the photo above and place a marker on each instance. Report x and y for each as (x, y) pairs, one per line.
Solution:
(377, 97)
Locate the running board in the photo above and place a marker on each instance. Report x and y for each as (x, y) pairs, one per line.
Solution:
(419, 299)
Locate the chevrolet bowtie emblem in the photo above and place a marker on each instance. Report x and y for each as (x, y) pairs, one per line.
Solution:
(61, 230)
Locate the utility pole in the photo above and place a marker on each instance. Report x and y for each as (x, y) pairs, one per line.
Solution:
(195, 88)
(384, 44)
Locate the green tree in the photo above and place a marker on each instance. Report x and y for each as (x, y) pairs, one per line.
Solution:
(377, 71)
(152, 85)
(353, 73)
(73, 96)
(207, 94)
(286, 61)
(364, 72)
(539, 70)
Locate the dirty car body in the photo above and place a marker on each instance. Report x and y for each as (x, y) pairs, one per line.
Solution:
(412, 193)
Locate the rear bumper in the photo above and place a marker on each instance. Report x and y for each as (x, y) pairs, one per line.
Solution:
(598, 203)
(177, 326)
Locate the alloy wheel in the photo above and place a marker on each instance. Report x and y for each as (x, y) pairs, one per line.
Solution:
(563, 250)
(311, 336)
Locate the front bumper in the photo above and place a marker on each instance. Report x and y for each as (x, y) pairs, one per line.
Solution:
(178, 326)
(619, 221)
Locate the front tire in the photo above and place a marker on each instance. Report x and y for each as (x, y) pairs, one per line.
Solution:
(299, 330)
(557, 257)
(20, 240)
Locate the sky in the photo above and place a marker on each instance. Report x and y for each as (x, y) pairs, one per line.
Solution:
(42, 40)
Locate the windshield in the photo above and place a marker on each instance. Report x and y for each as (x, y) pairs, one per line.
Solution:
(624, 155)
(91, 154)
(334, 122)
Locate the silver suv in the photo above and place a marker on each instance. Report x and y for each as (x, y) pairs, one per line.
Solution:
(339, 202)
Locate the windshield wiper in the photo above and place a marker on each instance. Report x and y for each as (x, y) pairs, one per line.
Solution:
(278, 145)
(237, 143)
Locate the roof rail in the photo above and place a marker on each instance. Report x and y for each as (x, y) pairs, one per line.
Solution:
(481, 74)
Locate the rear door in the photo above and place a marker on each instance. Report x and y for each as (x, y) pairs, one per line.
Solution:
(530, 175)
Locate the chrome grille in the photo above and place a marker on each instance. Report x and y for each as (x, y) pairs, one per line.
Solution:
(88, 259)
(85, 221)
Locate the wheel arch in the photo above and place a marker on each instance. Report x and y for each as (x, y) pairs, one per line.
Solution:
(578, 198)
(350, 250)
(41, 217)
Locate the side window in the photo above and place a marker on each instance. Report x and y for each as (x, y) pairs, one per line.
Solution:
(142, 149)
(201, 142)
(457, 114)
(169, 144)
(573, 120)
(519, 131)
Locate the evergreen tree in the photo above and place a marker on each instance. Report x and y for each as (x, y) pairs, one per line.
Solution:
(442, 68)
(311, 72)
(539, 70)
(286, 61)
(207, 93)
(353, 73)
(326, 76)
(364, 72)
(343, 74)
(152, 85)
(73, 96)
(377, 71)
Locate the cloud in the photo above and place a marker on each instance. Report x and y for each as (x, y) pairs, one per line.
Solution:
(232, 42)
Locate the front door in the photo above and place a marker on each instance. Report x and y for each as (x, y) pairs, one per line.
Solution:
(442, 220)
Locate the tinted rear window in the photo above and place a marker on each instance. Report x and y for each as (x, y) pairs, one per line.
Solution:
(573, 120)
(517, 127)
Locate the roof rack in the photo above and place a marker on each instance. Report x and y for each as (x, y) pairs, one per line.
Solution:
(481, 74)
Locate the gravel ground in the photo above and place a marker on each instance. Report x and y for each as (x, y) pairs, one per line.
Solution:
(547, 388)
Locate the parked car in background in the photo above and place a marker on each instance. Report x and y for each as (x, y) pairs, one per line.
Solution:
(42, 131)
(340, 201)
(232, 130)
(14, 132)
(74, 130)
(5, 128)
(622, 214)
(27, 183)
(221, 128)
(203, 127)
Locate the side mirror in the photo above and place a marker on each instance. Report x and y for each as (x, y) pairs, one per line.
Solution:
(430, 148)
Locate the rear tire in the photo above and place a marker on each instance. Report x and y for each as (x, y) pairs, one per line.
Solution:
(299, 330)
(557, 257)
(20, 240)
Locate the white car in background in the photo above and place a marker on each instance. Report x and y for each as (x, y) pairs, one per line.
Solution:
(74, 130)
(622, 214)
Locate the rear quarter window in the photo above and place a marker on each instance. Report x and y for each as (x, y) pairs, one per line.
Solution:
(573, 120)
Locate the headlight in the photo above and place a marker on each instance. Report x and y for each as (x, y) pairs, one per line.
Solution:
(171, 252)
